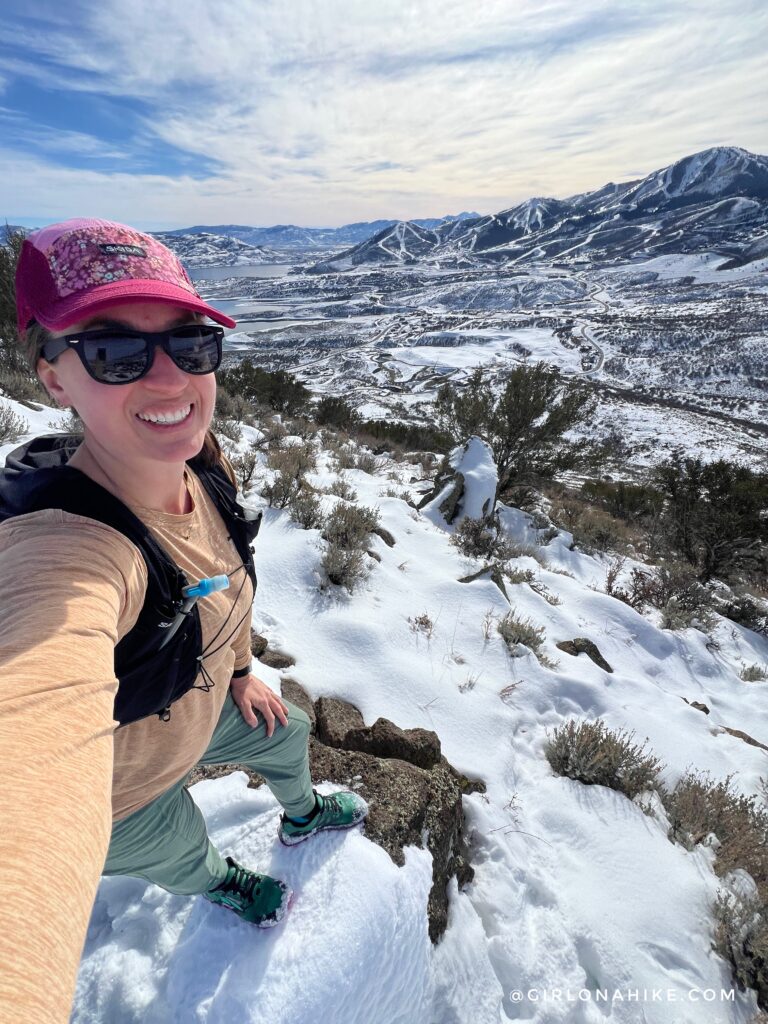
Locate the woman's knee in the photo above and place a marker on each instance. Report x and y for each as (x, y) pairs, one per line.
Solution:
(299, 725)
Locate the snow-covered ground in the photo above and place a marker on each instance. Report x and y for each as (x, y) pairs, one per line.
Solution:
(703, 267)
(472, 347)
(581, 910)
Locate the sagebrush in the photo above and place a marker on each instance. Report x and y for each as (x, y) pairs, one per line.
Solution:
(591, 753)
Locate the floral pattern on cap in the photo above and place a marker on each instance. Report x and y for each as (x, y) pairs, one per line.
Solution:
(89, 257)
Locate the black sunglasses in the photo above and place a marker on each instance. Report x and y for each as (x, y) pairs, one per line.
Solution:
(117, 355)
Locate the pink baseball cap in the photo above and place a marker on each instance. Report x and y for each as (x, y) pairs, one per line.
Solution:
(68, 271)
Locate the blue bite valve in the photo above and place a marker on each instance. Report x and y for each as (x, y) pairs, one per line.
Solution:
(207, 586)
(190, 594)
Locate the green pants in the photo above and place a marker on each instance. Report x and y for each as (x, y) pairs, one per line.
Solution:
(167, 843)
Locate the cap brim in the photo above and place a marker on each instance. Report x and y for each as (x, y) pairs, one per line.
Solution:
(82, 305)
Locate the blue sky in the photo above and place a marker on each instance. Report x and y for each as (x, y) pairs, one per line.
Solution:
(320, 112)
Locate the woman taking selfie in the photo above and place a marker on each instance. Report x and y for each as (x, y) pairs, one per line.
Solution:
(127, 584)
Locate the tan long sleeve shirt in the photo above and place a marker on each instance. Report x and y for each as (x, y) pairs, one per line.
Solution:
(70, 589)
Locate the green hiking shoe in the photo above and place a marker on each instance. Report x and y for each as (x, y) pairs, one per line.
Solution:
(335, 811)
(256, 898)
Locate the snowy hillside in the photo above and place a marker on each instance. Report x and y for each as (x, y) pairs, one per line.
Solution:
(205, 249)
(577, 889)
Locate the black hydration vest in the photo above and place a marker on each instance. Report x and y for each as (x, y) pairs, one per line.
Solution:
(151, 676)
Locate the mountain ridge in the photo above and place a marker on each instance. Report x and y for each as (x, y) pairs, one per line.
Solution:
(715, 198)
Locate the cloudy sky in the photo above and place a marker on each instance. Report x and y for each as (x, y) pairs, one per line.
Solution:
(166, 113)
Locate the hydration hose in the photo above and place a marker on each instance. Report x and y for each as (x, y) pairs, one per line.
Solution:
(190, 595)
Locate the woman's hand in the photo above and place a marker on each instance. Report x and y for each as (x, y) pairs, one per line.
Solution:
(250, 695)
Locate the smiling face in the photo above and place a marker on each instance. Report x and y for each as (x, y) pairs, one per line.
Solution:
(118, 418)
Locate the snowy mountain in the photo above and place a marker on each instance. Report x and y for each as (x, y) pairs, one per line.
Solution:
(206, 249)
(403, 242)
(714, 200)
(713, 173)
(290, 236)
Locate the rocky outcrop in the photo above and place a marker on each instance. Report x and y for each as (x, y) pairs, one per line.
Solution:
(384, 739)
(258, 644)
(291, 690)
(335, 718)
(449, 487)
(465, 484)
(741, 735)
(413, 793)
(274, 659)
(385, 535)
(495, 575)
(697, 704)
(581, 645)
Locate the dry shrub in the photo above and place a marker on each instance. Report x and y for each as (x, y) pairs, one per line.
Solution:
(688, 611)
(233, 407)
(244, 465)
(232, 429)
(273, 433)
(673, 589)
(517, 632)
(343, 568)
(305, 509)
(341, 488)
(516, 576)
(478, 538)
(548, 534)
(294, 459)
(595, 529)
(347, 531)
(303, 427)
(656, 586)
(754, 673)
(422, 624)
(12, 426)
(591, 753)
(291, 461)
(699, 806)
(741, 938)
(350, 526)
(392, 492)
(345, 457)
(516, 549)
(475, 538)
(369, 463)
(746, 609)
(22, 385)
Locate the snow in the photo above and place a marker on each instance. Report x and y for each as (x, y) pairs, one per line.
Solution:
(701, 266)
(357, 935)
(478, 346)
(578, 894)
(474, 461)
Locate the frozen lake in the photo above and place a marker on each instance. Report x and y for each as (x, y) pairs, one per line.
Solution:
(241, 270)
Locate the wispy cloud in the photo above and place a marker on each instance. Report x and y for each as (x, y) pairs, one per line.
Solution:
(17, 131)
(321, 113)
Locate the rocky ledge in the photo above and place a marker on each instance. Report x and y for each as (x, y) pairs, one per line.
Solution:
(413, 793)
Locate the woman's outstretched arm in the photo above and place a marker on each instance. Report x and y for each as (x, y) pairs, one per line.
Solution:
(68, 588)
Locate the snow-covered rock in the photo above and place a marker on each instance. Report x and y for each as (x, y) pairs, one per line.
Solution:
(464, 486)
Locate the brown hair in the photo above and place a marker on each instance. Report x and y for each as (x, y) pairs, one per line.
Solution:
(32, 341)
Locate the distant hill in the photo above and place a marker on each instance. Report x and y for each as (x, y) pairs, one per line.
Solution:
(6, 228)
(291, 236)
(209, 249)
